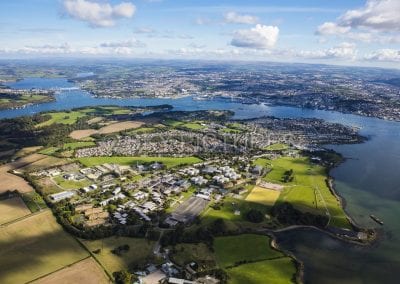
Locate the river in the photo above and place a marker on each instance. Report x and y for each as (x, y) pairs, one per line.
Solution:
(369, 181)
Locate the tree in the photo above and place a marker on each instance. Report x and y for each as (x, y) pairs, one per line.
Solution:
(122, 277)
(254, 216)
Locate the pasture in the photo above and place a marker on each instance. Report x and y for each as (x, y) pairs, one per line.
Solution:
(248, 247)
(169, 162)
(34, 247)
(140, 252)
(77, 145)
(85, 271)
(277, 271)
(199, 253)
(263, 196)
(12, 209)
(62, 118)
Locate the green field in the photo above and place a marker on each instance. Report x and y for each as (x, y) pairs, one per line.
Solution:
(34, 247)
(71, 184)
(277, 147)
(169, 162)
(140, 252)
(267, 265)
(193, 126)
(33, 201)
(249, 247)
(263, 196)
(308, 191)
(62, 118)
(277, 271)
(49, 151)
(77, 145)
(199, 253)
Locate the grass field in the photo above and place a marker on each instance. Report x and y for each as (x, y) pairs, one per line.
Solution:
(77, 145)
(277, 147)
(263, 196)
(49, 151)
(62, 118)
(199, 253)
(169, 162)
(308, 191)
(140, 252)
(193, 126)
(85, 271)
(34, 247)
(267, 265)
(71, 184)
(249, 247)
(12, 209)
(277, 271)
(33, 201)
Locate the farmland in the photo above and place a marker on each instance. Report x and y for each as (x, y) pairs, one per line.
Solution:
(62, 118)
(85, 271)
(34, 247)
(12, 209)
(169, 162)
(140, 252)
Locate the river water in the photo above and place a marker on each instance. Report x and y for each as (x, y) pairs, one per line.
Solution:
(369, 181)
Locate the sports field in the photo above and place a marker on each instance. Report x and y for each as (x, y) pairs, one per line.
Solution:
(140, 252)
(277, 147)
(169, 162)
(35, 246)
(85, 271)
(263, 196)
(12, 209)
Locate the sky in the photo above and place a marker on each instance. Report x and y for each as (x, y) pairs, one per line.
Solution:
(345, 32)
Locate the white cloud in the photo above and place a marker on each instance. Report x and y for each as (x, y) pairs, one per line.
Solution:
(98, 14)
(376, 14)
(330, 28)
(259, 37)
(233, 17)
(144, 30)
(390, 55)
(127, 43)
(344, 50)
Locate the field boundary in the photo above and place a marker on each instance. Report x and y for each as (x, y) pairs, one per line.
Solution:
(23, 218)
(66, 266)
(95, 259)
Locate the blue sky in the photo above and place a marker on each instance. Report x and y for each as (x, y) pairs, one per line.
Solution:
(356, 32)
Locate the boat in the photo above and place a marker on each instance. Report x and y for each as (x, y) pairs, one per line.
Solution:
(376, 219)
